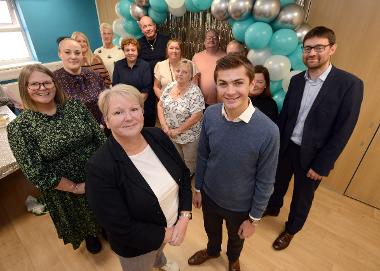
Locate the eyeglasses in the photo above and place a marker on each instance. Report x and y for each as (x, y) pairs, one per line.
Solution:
(319, 48)
(37, 85)
(211, 38)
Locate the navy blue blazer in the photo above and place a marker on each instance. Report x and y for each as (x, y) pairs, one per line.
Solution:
(122, 201)
(330, 121)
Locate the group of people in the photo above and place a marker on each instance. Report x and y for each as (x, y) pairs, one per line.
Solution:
(217, 121)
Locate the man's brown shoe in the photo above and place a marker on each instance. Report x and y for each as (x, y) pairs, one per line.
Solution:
(234, 266)
(200, 257)
(282, 241)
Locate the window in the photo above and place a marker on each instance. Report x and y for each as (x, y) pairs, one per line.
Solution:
(14, 47)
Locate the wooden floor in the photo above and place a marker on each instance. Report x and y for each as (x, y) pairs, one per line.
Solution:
(340, 235)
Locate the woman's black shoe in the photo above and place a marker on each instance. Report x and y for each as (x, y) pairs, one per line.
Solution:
(93, 244)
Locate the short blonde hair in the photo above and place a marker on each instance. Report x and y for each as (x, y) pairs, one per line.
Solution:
(105, 26)
(23, 81)
(188, 64)
(120, 90)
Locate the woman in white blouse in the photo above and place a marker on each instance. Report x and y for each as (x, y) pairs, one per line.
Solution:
(180, 112)
(164, 70)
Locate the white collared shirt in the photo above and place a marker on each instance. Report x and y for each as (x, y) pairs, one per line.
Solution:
(310, 93)
(245, 116)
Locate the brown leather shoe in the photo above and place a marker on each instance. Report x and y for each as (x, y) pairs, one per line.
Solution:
(234, 266)
(282, 241)
(200, 257)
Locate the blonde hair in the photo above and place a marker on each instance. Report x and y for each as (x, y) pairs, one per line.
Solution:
(89, 55)
(105, 26)
(120, 90)
(23, 81)
(178, 41)
(188, 64)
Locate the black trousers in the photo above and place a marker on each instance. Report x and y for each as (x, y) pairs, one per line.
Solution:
(213, 216)
(304, 188)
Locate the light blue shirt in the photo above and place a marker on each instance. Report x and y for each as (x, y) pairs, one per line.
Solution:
(312, 88)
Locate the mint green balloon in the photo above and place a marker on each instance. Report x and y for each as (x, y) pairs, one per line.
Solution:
(296, 59)
(202, 4)
(131, 27)
(283, 42)
(258, 35)
(275, 86)
(230, 21)
(157, 17)
(279, 99)
(124, 9)
(239, 28)
(116, 40)
(286, 2)
(190, 6)
(159, 5)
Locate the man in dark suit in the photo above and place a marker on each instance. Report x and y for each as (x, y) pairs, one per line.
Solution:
(319, 113)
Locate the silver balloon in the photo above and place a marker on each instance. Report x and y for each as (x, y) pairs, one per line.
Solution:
(240, 9)
(219, 9)
(302, 30)
(142, 3)
(137, 12)
(291, 16)
(266, 10)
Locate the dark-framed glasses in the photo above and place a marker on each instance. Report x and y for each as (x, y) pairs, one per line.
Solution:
(37, 85)
(319, 48)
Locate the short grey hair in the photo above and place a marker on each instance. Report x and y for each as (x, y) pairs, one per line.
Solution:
(105, 26)
(118, 90)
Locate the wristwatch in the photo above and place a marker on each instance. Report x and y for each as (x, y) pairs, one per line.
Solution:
(253, 221)
(188, 215)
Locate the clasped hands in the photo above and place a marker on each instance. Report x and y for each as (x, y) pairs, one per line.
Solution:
(176, 234)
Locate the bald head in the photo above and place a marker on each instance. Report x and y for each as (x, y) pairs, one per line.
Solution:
(148, 27)
(235, 47)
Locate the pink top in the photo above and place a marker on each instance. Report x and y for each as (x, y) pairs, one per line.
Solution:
(205, 63)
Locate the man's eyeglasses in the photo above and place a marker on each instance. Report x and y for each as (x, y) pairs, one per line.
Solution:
(211, 38)
(319, 48)
(37, 85)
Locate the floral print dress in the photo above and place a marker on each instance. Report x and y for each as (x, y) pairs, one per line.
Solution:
(178, 110)
(48, 148)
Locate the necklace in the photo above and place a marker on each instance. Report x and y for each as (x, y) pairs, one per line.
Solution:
(151, 44)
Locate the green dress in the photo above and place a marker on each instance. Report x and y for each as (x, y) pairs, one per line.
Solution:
(48, 148)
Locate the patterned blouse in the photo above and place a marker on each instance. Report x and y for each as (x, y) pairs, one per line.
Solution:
(178, 110)
(48, 148)
(85, 87)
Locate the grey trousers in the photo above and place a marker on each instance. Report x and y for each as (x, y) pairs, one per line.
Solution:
(144, 262)
(188, 153)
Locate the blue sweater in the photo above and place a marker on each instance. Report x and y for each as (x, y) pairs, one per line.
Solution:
(237, 161)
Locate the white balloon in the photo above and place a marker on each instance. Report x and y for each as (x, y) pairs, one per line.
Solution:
(178, 12)
(118, 27)
(258, 56)
(278, 67)
(286, 81)
(175, 4)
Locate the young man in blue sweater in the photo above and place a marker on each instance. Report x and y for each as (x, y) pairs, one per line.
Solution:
(237, 160)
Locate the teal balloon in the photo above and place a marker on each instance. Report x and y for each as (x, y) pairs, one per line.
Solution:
(202, 4)
(124, 9)
(157, 17)
(190, 6)
(239, 28)
(286, 2)
(275, 86)
(258, 35)
(159, 5)
(283, 42)
(230, 21)
(131, 27)
(279, 99)
(116, 40)
(296, 59)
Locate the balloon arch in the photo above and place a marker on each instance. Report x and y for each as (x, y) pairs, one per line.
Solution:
(272, 30)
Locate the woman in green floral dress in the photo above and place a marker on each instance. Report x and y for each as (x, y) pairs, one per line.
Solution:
(52, 140)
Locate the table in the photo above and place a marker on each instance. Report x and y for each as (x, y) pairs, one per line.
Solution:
(8, 162)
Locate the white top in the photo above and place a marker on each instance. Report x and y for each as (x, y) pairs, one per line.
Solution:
(160, 181)
(109, 57)
(310, 93)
